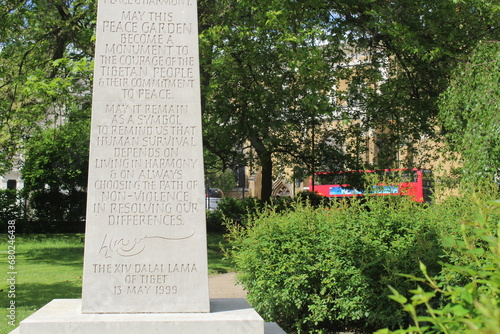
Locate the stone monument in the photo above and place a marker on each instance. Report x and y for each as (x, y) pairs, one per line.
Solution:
(145, 245)
(145, 262)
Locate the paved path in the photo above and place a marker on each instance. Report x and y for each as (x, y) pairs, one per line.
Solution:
(224, 286)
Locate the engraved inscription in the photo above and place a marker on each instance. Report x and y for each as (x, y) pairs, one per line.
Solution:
(146, 179)
(140, 278)
(132, 247)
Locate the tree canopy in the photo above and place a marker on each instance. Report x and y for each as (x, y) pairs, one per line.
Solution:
(56, 169)
(278, 69)
(470, 111)
(270, 78)
(413, 46)
(45, 52)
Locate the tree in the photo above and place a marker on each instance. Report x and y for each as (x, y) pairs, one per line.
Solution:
(271, 73)
(269, 82)
(279, 70)
(413, 47)
(470, 111)
(223, 180)
(46, 50)
(56, 169)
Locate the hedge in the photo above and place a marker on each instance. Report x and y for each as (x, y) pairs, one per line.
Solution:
(329, 269)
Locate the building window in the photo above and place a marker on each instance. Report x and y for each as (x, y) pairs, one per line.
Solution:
(11, 184)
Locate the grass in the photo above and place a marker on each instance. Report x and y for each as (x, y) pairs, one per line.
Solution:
(217, 263)
(50, 267)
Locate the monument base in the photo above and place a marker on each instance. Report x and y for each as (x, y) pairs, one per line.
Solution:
(63, 316)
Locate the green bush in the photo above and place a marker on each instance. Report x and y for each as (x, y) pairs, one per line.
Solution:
(232, 208)
(215, 221)
(231, 211)
(10, 208)
(52, 205)
(328, 269)
(312, 198)
(468, 288)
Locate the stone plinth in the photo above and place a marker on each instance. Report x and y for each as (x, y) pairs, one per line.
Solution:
(63, 316)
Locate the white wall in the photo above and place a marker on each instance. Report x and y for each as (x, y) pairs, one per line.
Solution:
(13, 175)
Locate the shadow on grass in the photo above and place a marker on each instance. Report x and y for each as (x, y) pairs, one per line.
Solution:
(68, 256)
(217, 264)
(36, 295)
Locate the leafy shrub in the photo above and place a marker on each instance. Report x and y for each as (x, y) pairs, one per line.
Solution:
(232, 208)
(328, 269)
(237, 211)
(312, 198)
(215, 221)
(47, 205)
(468, 287)
(10, 209)
(231, 211)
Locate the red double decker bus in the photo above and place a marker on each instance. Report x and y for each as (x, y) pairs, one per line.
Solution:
(416, 183)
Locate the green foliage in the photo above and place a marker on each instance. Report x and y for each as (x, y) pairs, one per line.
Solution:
(275, 71)
(409, 63)
(469, 286)
(469, 110)
(224, 180)
(311, 198)
(45, 59)
(268, 78)
(232, 208)
(328, 269)
(10, 207)
(56, 168)
(215, 221)
(232, 211)
(46, 52)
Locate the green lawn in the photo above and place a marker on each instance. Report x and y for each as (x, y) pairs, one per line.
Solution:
(50, 267)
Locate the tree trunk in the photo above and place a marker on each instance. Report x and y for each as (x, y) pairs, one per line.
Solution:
(267, 175)
(266, 163)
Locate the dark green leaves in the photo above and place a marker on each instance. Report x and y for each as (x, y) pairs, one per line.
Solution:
(470, 112)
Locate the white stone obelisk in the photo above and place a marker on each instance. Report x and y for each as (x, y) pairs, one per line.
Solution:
(145, 248)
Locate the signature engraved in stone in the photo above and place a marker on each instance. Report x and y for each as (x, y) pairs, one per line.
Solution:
(131, 247)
